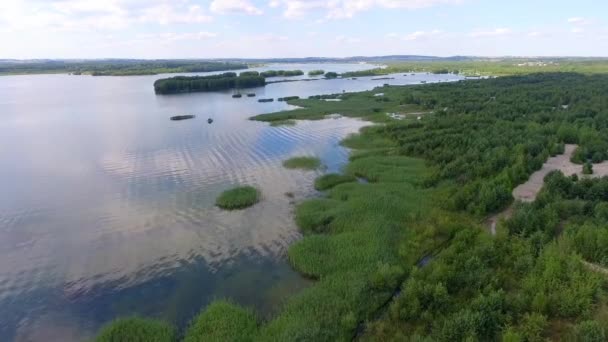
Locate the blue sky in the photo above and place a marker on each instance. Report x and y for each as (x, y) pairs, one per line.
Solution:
(300, 28)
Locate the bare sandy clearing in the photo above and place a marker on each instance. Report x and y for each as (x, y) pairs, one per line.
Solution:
(528, 191)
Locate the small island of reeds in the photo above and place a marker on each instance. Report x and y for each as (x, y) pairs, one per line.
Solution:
(303, 163)
(238, 198)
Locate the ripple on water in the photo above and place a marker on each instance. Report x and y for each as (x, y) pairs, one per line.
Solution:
(132, 228)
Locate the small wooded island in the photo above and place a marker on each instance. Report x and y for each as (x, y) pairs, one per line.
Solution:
(225, 81)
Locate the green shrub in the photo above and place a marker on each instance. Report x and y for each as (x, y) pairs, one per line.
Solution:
(223, 321)
(588, 168)
(135, 329)
(238, 198)
(589, 331)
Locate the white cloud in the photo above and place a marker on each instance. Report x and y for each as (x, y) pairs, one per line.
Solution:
(234, 7)
(87, 15)
(578, 21)
(491, 33)
(165, 14)
(341, 9)
(422, 35)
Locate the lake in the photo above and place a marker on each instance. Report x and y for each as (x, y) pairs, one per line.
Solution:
(107, 206)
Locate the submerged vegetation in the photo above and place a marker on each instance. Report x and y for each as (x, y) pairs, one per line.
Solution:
(304, 163)
(185, 84)
(116, 67)
(405, 257)
(238, 198)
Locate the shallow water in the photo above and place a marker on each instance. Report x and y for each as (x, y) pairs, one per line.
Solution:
(107, 206)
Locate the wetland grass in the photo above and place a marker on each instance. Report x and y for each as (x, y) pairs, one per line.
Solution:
(134, 329)
(223, 321)
(328, 181)
(238, 198)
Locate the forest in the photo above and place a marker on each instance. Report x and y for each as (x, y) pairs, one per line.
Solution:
(405, 255)
(228, 80)
(116, 67)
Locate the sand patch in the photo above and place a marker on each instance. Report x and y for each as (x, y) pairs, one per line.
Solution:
(528, 191)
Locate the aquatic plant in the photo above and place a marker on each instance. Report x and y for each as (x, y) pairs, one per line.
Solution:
(238, 198)
(304, 163)
(223, 321)
(135, 329)
(330, 180)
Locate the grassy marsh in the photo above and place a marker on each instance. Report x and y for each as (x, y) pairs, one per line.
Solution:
(223, 321)
(328, 181)
(134, 329)
(238, 198)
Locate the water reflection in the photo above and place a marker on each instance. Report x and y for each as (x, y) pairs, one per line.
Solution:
(107, 206)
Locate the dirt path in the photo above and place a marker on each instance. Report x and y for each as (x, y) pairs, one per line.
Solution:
(528, 191)
(595, 267)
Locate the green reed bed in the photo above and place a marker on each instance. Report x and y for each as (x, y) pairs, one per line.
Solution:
(238, 198)
(223, 321)
(134, 329)
(328, 181)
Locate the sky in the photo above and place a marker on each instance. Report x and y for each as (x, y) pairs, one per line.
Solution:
(300, 28)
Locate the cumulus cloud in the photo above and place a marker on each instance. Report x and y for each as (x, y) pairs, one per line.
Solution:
(83, 15)
(341, 9)
(235, 7)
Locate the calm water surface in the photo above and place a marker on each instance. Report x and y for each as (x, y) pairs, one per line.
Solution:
(107, 207)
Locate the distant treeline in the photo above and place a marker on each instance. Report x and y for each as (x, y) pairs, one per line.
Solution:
(228, 80)
(116, 67)
(284, 73)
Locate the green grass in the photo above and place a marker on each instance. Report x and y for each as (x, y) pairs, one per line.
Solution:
(303, 163)
(330, 180)
(238, 198)
(223, 321)
(136, 329)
